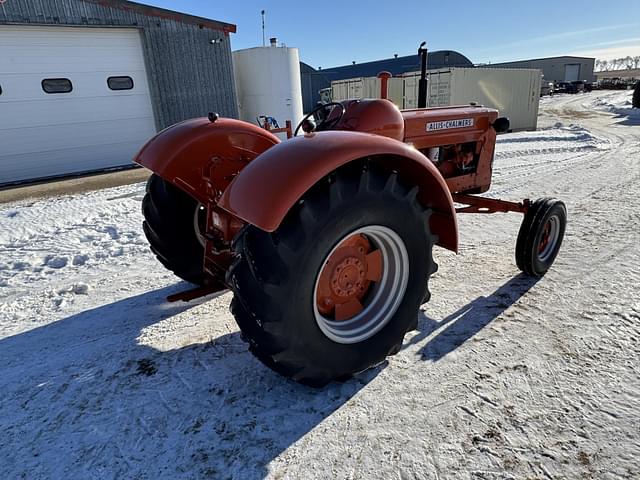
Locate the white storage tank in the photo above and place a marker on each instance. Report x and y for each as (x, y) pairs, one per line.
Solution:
(268, 83)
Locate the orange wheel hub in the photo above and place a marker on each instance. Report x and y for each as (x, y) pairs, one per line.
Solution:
(546, 235)
(346, 277)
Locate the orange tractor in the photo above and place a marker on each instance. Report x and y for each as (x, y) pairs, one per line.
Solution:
(326, 238)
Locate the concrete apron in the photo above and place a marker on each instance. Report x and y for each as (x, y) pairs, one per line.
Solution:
(70, 186)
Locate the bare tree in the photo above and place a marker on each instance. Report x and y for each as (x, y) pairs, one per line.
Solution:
(628, 62)
(612, 64)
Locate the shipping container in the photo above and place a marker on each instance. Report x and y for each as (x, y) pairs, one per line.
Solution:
(514, 92)
(367, 87)
(438, 93)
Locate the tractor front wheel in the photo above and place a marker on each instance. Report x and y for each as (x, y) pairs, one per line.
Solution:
(335, 288)
(540, 236)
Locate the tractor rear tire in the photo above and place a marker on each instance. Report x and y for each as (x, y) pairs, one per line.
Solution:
(276, 277)
(170, 228)
(540, 236)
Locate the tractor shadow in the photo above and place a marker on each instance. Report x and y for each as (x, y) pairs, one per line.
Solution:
(84, 397)
(629, 120)
(86, 394)
(627, 116)
(468, 320)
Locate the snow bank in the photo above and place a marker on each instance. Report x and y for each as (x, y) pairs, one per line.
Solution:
(558, 143)
(618, 103)
(568, 135)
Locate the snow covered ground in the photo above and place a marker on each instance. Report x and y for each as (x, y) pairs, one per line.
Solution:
(505, 377)
(619, 103)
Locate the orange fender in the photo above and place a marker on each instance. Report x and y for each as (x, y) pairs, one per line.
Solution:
(270, 185)
(183, 153)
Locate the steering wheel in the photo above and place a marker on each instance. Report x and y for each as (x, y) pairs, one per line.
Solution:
(325, 122)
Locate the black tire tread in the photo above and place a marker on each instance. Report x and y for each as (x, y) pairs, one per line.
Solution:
(263, 262)
(168, 225)
(531, 224)
(526, 231)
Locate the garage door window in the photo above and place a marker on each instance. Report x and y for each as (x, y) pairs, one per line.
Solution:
(120, 83)
(57, 85)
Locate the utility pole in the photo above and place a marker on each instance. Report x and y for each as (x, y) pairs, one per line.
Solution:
(263, 37)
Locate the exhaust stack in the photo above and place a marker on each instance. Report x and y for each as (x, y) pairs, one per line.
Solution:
(384, 78)
(422, 86)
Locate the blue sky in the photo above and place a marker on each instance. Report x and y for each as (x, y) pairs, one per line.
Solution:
(332, 33)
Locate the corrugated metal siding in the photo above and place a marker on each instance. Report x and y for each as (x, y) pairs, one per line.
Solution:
(346, 89)
(439, 91)
(188, 75)
(367, 88)
(514, 92)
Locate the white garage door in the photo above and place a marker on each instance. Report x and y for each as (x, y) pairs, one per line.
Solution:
(72, 100)
(571, 72)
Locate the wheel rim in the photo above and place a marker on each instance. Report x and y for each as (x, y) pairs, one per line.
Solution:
(361, 284)
(549, 238)
(199, 222)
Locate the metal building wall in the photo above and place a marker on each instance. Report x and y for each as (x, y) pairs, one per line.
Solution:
(553, 68)
(312, 81)
(188, 75)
